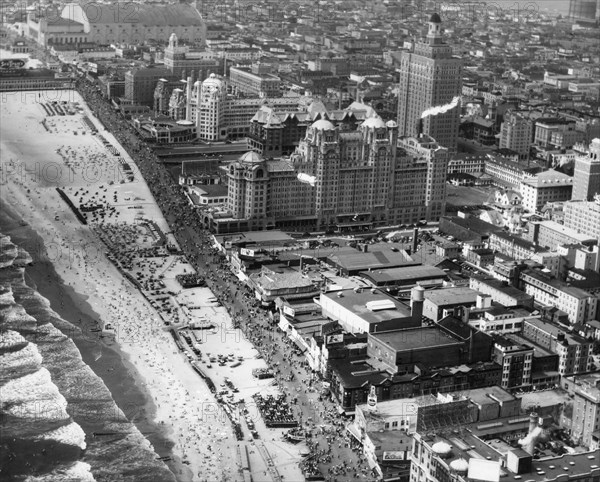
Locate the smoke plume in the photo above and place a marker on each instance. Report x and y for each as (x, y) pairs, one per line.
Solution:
(306, 179)
(440, 109)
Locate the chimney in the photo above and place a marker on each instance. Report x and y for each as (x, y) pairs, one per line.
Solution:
(419, 127)
(533, 422)
(365, 248)
(415, 240)
(417, 297)
(188, 95)
(483, 301)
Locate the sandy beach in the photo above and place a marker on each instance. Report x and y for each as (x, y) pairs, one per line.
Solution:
(43, 150)
(31, 170)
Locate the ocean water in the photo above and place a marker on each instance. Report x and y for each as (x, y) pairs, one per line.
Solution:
(57, 417)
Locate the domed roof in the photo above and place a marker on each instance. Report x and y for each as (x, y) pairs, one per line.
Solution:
(374, 121)
(441, 448)
(251, 157)
(213, 80)
(435, 18)
(391, 124)
(323, 125)
(459, 465)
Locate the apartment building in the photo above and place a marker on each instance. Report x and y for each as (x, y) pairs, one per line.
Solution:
(545, 187)
(253, 82)
(578, 304)
(574, 352)
(583, 216)
(516, 133)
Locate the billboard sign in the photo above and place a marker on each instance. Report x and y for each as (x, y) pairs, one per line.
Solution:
(398, 455)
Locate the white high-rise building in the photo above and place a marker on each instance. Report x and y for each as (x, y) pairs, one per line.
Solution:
(430, 76)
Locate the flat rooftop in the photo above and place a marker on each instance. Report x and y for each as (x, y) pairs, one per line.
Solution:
(274, 280)
(452, 296)
(403, 274)
(422, 338)
(351, 259)
(547, 398)
(356, 302)
(390, 408)
(572, 233)
(504, 288)
(554, 331)
(564, 467)
(487, 394)
(255, 237)
(538, 351)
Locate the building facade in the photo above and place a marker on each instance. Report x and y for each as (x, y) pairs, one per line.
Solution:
(586, 178)
(545, 187)
(253, 82)
(219, 114)
(583, 216)
(338, 180)
(430, 76)
(516, 134)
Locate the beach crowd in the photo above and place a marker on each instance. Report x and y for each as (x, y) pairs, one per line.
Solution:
(334, 453)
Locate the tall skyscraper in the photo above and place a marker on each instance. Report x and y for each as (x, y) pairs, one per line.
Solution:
(586, 178)
(585, 11)
(430, 76)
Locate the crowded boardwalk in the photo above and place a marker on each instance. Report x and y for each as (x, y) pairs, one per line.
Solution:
(333, 453)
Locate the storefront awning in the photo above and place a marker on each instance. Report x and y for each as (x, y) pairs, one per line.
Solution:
(300, 345)
(352, 430)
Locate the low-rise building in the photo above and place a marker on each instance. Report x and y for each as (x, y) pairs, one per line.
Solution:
(574, 352)
(398, 351)
(498, 319)
(442, 302)
(501, 292)
(516, 360)
(578, 304)
(406, 277)
(586, 413)
(552, 234)
(545, 187)
(367, 311)
(447, 455)
(272, 283)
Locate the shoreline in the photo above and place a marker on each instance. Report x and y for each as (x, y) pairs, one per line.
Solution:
(114, 368)
(29, 175)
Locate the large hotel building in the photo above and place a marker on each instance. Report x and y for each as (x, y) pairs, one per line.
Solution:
(430, 76)
(337, 180)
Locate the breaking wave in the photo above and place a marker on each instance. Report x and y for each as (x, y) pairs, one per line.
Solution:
(55, 412)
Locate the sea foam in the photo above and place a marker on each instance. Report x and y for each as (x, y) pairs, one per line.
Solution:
(34, 396)
(71, 434)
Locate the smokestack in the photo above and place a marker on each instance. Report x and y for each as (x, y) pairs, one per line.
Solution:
(188, 95)
(533, 422)
(535, 433)
(419, 127)
(471, 343)
(417, 297)
(415, 240)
